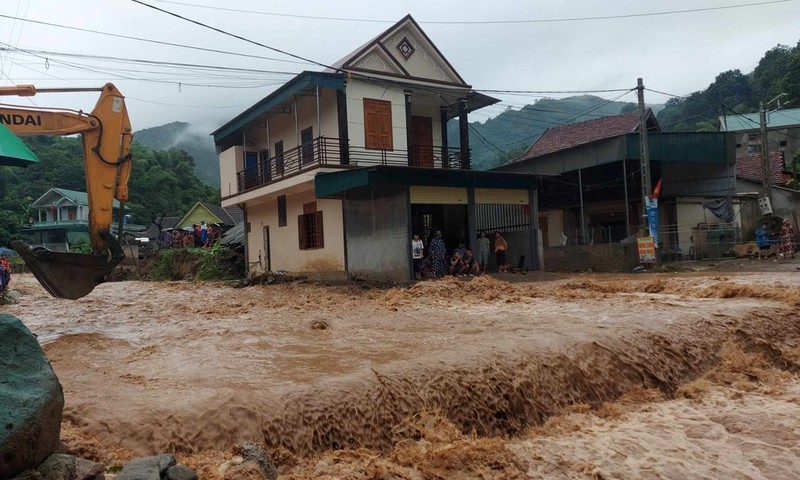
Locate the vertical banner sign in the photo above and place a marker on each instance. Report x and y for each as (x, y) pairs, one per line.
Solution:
(652, 218)
(647, 250)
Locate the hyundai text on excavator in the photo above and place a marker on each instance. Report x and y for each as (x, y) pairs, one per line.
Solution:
(107, 136)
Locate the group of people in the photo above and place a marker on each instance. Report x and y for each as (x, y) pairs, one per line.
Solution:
(201, 235)
(5, 272)
(781, 244)
(433, 262)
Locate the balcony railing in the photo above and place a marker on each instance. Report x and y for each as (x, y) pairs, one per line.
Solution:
(325, 152)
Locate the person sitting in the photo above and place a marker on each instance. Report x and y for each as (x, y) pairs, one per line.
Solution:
(471, 265)
(456, 264)
(426, 268)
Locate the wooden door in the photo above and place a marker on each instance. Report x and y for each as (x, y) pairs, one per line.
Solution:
(378, 125)
(267, 255)
(421, 141)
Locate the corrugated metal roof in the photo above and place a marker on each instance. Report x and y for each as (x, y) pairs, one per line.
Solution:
(78, 198)
(752, 121)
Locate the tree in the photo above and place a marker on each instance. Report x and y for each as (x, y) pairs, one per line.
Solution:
(768, 75)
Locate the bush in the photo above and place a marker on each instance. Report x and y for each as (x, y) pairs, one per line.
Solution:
(164, 266)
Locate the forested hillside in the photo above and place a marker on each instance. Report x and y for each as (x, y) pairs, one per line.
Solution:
(162, 183)
(509, 134)
(199, 145)
(731, 92)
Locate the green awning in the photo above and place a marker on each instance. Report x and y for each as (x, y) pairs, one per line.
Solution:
(334, 184)
(13, 152)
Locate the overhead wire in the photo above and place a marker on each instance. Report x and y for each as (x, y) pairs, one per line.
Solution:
(480, 22)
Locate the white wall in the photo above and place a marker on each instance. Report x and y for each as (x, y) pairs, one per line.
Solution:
(230, 162)
(357, 91)
(284, 241)
(555, 225)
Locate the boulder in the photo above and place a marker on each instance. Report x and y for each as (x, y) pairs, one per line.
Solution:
(31, 400)
(147, 468)
(69, 467)
(181, 472)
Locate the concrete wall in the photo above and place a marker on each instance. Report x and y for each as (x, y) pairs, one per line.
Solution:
(378, 243)
(230, 162)
(609, 257)
(357, 91)
(284, 241)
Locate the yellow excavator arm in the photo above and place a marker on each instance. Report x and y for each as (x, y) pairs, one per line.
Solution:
(107, 136)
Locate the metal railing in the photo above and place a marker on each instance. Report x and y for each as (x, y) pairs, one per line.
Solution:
(324, 151)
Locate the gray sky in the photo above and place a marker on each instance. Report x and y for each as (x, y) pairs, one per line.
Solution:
(674, 53)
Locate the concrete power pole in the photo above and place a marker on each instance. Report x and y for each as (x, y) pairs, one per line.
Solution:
(765, 163)
(644, 154)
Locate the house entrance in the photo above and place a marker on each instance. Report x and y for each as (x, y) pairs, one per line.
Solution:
(421, 141)
(450, 219)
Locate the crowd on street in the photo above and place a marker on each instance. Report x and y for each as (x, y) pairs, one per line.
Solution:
(434, 261)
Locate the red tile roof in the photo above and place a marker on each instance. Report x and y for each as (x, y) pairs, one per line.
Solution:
(748, 167)
(572, 135)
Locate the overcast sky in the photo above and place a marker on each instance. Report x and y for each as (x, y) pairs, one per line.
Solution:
(677, 53)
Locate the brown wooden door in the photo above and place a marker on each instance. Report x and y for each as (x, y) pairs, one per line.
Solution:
(378, 125)
(422, 141)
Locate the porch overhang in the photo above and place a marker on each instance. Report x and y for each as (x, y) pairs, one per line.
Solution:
(692, 147)
(303, 81)
(334, 185)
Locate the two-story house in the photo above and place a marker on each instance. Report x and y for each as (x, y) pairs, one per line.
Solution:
(60, 220)
(335, 170)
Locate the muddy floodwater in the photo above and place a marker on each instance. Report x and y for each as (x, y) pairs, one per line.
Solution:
(656, 376)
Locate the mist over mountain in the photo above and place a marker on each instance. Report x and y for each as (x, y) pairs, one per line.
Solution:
(183, 136)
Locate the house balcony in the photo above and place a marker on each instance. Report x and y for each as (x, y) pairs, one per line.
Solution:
(59, 223)
(326, 152)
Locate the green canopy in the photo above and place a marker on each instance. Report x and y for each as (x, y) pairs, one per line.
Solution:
(13, 152)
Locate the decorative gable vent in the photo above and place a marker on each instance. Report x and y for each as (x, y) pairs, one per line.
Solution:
(405, 47)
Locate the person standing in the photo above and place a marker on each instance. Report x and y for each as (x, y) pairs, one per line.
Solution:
(484, 247)
(500, 248)
(438, 255)
(417, 248)
(5, 272)
(762, 241)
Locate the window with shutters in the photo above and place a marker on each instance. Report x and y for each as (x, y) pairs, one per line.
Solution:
(378, 124)
(309, 226)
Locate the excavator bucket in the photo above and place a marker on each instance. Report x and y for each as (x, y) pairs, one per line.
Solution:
(65, 274)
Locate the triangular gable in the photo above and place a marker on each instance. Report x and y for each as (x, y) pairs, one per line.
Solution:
(199, 212)
(403, 50)
(56, 196)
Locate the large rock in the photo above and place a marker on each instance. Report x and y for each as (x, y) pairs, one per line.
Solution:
(68, 467)
(147, 468)
(31, 400)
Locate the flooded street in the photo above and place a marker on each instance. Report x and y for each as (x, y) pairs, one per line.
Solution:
(656, 376)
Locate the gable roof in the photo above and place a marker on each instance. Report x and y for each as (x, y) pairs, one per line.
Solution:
(380, 45)
(571, 135)
(71, 196)
(221, 214)
(748, 167)
(752, 121)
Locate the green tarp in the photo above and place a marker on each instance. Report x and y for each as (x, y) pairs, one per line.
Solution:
(13, 152)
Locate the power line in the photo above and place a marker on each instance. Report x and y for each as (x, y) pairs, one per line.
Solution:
(149, 40)
(239, 37)
(143, 61)
(479, 22)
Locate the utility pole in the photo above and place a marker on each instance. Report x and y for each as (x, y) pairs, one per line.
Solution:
(765, 163)
(644, 153)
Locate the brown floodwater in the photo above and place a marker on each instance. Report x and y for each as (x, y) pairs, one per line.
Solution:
(308, 369)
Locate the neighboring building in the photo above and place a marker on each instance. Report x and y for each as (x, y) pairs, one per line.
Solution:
(60, 220)
(335, 169)
(591, 190)
(783, 131)
(750, 186)
(203, 212)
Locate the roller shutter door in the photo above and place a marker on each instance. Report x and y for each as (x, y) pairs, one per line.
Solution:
(438, 195)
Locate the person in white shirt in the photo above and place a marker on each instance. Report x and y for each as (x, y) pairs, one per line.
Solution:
(417, 248)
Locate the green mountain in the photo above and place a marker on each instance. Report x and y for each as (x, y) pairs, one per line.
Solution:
(180, 135)
(509, 134)
(732, 92)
